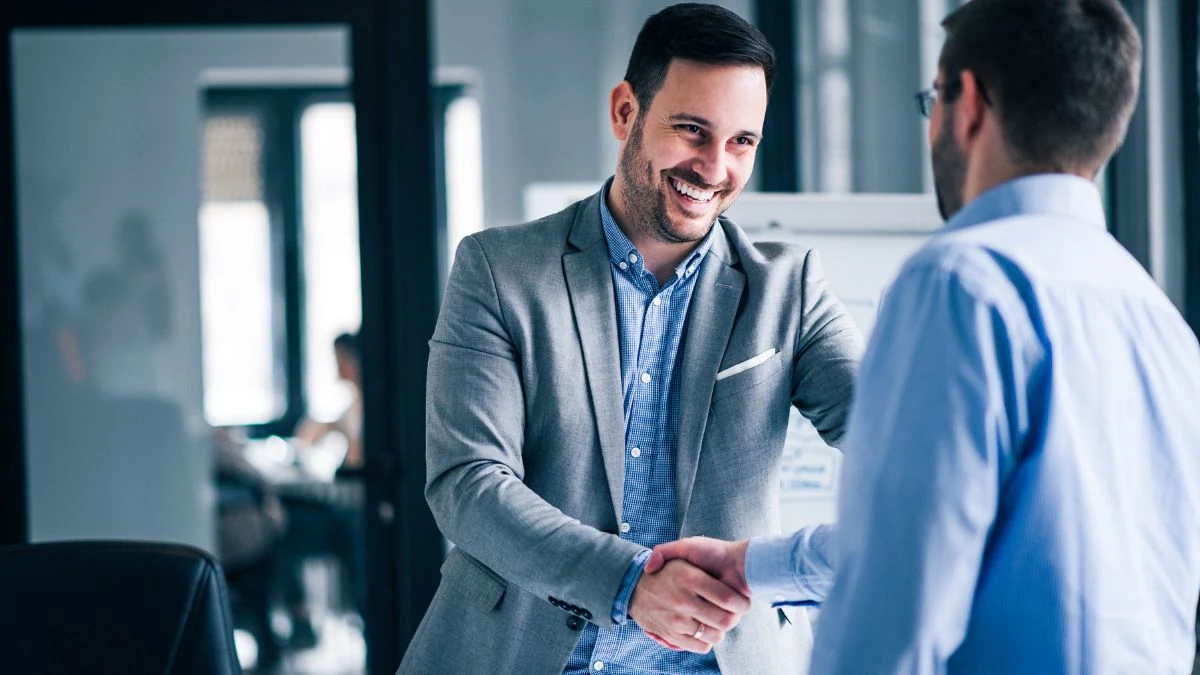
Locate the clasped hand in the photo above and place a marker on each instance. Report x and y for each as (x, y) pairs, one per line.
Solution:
(692, 593)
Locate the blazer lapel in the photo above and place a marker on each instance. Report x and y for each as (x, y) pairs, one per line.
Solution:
(714, 305)
(590, 286)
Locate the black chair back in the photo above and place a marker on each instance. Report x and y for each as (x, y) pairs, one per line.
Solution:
(113, 607)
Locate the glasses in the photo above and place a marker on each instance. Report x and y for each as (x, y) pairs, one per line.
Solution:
(926, 98)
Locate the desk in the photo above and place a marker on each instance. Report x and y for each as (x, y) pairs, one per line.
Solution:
(309, 475)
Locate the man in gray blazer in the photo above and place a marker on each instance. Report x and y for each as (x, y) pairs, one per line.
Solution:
(619, 375)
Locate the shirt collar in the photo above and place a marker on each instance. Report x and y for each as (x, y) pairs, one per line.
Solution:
(1056, 194)
(623, 254)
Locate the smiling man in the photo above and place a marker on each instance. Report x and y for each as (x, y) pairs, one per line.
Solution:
(618, 375)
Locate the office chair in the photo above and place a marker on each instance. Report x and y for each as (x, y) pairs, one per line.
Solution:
(113, 607)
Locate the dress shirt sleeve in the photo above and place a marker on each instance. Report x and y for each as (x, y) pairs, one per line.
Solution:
(926, 456)
(791, 570)
(620, 613)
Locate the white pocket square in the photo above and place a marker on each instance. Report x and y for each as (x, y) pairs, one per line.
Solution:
(747, 364)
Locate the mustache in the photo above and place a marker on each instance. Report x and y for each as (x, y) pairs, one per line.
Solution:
(690, 177)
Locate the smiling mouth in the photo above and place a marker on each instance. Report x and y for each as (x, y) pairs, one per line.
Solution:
(691, 192)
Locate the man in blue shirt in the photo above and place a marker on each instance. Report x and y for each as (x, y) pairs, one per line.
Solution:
(1022, 479)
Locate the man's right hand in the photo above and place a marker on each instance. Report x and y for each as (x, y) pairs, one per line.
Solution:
(673, 603)
(725, 560)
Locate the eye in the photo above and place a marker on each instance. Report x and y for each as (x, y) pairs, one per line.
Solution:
(689, 128)
(744, 141)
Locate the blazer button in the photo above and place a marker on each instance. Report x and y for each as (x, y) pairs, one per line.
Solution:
(574, 623)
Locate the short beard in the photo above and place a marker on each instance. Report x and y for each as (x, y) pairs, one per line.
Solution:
(949, 168)
(646, 204)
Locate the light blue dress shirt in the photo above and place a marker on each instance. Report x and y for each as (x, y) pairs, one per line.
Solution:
(1021, 491)
(651, 320)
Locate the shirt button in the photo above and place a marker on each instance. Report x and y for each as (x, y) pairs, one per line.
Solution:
(645, 378)
(624, 528)
(636, 452)
(632, 259)
(599, 665)
(574, 622)
(622, 265)
(657, 300)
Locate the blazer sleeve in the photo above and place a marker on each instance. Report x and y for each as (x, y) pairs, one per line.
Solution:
(475, 424)
(828, 349)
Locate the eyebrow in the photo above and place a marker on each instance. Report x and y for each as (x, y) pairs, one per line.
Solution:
(701, 121)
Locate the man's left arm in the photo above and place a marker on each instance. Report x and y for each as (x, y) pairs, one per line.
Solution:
(829, 346)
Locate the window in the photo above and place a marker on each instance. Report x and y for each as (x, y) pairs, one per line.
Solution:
(459, 158)
(241, 382)
(857, 69)
(279, 254)
(329, 198)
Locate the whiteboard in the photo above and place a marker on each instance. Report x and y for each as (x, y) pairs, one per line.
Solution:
(863, 240)
(543, 199)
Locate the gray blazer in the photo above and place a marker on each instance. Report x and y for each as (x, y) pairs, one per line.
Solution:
(526, 435)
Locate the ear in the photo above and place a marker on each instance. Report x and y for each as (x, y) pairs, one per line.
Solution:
(970, 110)
(623, 110)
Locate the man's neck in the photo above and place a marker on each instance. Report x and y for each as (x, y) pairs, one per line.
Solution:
(996, 167)
(660, 257)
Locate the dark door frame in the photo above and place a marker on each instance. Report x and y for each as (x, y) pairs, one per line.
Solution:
(1189, 69)
(390, 61)
(779, 160)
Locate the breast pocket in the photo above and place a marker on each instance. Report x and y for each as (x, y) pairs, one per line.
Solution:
(747, 374)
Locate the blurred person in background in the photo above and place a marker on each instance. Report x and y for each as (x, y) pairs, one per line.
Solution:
(349, 424)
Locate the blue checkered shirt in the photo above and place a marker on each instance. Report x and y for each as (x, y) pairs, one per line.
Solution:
(651, 322)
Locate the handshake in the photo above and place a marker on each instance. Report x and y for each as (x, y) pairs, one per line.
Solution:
(692, 592)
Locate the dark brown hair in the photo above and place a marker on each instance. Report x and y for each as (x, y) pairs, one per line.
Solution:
(1062, 74)
(694, 32)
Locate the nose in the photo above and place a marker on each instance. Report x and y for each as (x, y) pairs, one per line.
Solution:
(711, 164)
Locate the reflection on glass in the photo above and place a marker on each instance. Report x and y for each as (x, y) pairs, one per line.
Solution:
(859, 63)
(837, 161)
(152, 292)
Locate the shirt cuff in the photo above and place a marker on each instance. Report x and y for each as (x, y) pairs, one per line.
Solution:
(620, 613)
(791, 570)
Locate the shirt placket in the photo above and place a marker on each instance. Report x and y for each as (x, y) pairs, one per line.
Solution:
(639, 444)
(640, 435)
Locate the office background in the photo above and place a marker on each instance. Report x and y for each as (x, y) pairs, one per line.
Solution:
(198, 198)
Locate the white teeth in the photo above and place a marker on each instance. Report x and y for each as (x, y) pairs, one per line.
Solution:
(685, 189)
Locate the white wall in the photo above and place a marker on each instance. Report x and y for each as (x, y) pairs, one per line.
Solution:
(108, 126)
